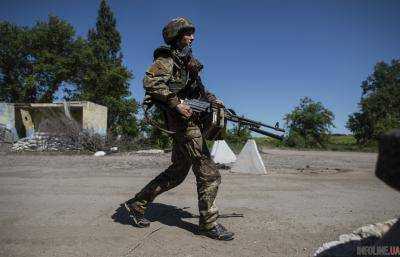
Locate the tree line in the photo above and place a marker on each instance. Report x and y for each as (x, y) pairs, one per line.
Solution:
(38, 62)
(378, 112)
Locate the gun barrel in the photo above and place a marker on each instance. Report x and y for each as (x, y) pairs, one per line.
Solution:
(261, 124)
(266, 133)
(252, 123)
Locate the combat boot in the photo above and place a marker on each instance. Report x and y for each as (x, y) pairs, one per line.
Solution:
(136, 217)
(218, 232)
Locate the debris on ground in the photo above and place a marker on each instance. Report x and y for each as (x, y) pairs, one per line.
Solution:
(151, 151)
(114, 149)
(106, 152)
(99, 153)
(45, 142)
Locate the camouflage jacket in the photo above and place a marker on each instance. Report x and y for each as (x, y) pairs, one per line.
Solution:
(168, 80)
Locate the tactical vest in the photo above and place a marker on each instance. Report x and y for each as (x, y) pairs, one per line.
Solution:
(180, 75)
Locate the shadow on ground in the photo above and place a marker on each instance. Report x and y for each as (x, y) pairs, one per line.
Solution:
(166, 214)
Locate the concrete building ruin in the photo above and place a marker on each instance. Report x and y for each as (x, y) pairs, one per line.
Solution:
(24, 119)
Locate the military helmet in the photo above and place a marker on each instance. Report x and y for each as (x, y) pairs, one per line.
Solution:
(175, 28)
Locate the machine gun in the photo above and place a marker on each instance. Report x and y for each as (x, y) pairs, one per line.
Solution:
(215, 118)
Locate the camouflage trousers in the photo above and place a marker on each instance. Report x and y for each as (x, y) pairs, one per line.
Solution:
(189, 150)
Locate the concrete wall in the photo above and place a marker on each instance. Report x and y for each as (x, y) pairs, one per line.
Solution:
(94, 118)
(7, 117)
(89, 116)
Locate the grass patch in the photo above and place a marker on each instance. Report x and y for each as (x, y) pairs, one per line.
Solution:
(344, 143)
(336, 143)
(349, 143)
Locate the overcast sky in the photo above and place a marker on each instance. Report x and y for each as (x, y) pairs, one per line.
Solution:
(260, 57)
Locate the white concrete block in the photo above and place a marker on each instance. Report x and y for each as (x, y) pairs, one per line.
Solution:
(221, 153)
(249, 160)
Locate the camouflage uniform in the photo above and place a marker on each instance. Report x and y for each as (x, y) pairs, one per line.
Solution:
(189, 148)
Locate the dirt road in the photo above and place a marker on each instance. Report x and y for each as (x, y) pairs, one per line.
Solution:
(68, 205)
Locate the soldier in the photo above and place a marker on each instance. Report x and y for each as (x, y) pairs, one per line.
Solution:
(172, 77)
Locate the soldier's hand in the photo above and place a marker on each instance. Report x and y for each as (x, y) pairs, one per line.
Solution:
(184, 109)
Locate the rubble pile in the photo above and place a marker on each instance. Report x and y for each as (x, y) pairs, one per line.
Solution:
(347, 244)
(45, 142)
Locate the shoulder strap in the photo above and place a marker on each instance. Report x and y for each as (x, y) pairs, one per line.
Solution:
(162, 51)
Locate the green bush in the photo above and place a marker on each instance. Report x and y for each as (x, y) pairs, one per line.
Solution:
(309, 124)
(379, 105)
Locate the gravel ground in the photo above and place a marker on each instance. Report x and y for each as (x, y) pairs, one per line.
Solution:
(68, 205)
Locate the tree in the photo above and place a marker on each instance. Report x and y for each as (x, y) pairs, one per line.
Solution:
(35, 61)
(15, 65)
(238, 134)
(379, 105)
(52, 45)
(309, 124)
(103, 78)
(106, 31)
